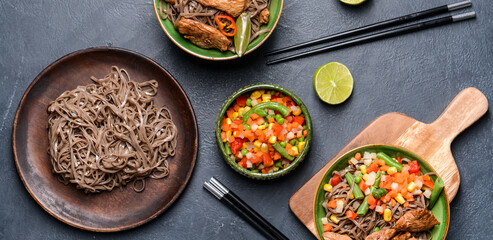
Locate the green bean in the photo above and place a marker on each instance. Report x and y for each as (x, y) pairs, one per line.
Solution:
(255, 171)
(358, 194)
(249, 102)
(305, 127)
(284, 153)
(378, 193)
(242, 36)
(283, 144)
(244, 152)
(435, 193)
(389, 161)
(378, 177)
(363, 208)
(259, 109)
(278, 164)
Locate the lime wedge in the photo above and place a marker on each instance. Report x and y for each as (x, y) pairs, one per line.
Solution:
(333, 83)
(352, 2)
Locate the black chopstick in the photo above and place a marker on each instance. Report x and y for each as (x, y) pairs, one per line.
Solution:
(381, 35)
(378, 25)
(234, 202)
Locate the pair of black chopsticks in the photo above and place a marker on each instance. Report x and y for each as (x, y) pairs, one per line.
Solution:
(234, 202)
(379, 35)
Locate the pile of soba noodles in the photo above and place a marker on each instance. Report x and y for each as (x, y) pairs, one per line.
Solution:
(110, 133)
(196, 11)
(361, 227)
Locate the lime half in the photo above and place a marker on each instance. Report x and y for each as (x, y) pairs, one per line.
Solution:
(352, 2)
(333, 83)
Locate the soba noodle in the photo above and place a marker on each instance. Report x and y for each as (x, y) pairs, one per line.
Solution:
(110, 133)
(196, 11)
(361, 227)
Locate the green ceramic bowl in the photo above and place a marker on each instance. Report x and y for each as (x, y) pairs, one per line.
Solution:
(248, 173)
(275, 9)
(441, 210)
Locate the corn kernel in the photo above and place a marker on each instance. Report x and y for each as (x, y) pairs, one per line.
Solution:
(255, 95)
(257, 144)
(270, 125)
(264, 148)
(352, 196)
(225, 139)
(334, 219)
(241, 111)
(392, 170)
(235, 114)
(256, 149)
(363, 169)
(273, 139)
(244, 145)
(387, 215)
(295, 149)
(269, 164)
(328, 187)
(247, 108)
(266, 100)
(301, 145)
(228, 121)
(235, 134)
(297, 111)
(228, 134)
(411, 186)
(365, 177)
(400, 199)
(240, 155)
(266, 96)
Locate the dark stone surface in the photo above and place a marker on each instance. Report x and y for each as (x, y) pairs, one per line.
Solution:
(417, 74)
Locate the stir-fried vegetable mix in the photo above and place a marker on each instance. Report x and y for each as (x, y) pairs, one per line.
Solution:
(381, 181)
(264, 131)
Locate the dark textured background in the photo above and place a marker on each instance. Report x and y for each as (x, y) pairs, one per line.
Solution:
(416, 74)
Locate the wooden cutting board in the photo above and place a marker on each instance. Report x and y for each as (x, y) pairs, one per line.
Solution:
(430, 141)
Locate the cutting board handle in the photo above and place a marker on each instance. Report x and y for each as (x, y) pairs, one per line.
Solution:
(466, 108)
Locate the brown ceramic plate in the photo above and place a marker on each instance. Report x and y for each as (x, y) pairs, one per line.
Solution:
(107, 211)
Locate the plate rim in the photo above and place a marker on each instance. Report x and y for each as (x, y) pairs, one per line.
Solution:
(447, 203)
(22, 103)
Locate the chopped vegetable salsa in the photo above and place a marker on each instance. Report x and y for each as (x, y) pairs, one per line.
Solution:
(264, 131)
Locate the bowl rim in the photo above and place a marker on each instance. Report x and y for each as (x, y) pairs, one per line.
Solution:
(217, 58)
(447, 203)
(294, 163)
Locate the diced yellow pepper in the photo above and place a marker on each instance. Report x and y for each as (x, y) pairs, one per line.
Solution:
(301, 145)
(365, 177)
(363, 169)
(257, 144)
(235, 114)
(261, 127)
(228, 134)
(392, 170)
(334, 219)
(240, 111)
(400, 199)
(228, 121)
(255, 95)
(295, 149)
(297, 111)
(273, 139)
(411, 186)
(266, 96)
(387, 215)
(328, 187)
(244, 145)
(270, 125)
(266, 100)
(247, 108)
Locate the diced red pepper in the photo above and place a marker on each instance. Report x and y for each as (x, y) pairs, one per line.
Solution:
(362, 185)
(413, 167)
(350, 214)
(277, 128)
(373, 167)
(399, 160)
(299, 120)
(336, 179)
(236, 145)
(242, 163)
(241, 100)
(254, 160)
(267, 159)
